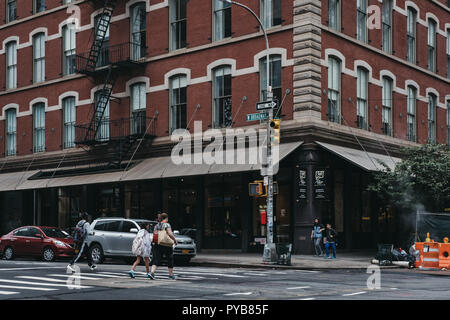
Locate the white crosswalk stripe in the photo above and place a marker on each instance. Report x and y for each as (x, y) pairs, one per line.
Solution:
(8, 292)
(27, 288)
(73, 275)
(38, 283)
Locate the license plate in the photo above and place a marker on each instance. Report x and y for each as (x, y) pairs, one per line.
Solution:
(184, 251)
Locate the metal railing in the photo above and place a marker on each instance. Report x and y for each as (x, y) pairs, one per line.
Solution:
(127, 52)
(120, 129)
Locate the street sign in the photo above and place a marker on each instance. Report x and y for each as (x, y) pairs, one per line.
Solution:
(266, 105)
(257, 116)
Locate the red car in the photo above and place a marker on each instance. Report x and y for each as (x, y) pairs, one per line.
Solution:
(46, 242)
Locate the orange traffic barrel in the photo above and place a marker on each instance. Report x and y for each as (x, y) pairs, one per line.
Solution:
(430, 255)
(419, 247)
(444, 255)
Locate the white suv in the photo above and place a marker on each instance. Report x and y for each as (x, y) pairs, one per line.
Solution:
(113, 238)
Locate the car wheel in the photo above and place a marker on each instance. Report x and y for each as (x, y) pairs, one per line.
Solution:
(48, 254)
(8, 254)
(96, 254)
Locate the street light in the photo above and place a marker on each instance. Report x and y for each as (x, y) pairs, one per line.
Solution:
(269, 249)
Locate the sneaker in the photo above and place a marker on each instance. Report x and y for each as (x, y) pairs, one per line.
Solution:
(131, 273)
(171, 277)
(329, 258)
(93, 267)
(151, 275)
(70, 269)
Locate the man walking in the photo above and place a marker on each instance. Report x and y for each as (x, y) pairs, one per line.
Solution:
(79, 237)
(331, 235)
(316, 236)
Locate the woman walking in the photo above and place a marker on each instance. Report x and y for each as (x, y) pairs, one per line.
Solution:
(142, 248)
(163, 248)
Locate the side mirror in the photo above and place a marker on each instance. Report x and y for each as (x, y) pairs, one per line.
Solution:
(176, 232)
(134, 230)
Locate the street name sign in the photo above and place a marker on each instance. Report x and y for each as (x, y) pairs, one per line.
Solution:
(257, 116)
(266, 105)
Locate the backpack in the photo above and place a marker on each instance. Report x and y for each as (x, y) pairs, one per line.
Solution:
(138, 243)
(78, 234)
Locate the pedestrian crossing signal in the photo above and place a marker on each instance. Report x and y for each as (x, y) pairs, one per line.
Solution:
(275, 131)
(256, 189)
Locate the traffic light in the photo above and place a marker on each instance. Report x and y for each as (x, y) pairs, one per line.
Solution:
(275, 131)
(256, 189)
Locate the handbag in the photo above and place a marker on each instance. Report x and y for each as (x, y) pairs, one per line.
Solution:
(164, 239)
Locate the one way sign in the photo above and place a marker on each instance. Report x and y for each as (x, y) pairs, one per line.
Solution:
(265, 105)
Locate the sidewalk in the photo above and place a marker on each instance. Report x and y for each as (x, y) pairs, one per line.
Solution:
(348, 260)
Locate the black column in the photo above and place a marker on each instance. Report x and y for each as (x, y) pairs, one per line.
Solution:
(305, 209)
(348, 204)
(246, 212)
(200, 211)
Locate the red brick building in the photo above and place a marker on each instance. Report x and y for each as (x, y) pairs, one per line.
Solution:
(84, 80)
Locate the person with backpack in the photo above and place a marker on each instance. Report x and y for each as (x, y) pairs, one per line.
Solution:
(331, 235)
(316, 236)
(79, 237)
(141, 248)
(164, 240)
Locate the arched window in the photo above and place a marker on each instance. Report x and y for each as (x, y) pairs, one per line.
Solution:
(11, 132)
(274, 80)
(11, 65)
(411, 21)
(138, 31)
(222, 114)
(432, 103)
(102, 116)
(411, 113)
(222, 19)
(178, 21)
(271, 13)
(387, 25)
(138, 107)
(11, 10)
(432, 45)
(69, 49)
(362, 98)
(448, 122)
(69, 120)
(38, 6)
(39, 127)
(39, 57)
(387, 106)
(334, 90)
(178, 102)
(103, 57)
(361, 24)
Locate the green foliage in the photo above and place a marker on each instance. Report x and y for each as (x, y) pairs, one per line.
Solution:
(421, 178)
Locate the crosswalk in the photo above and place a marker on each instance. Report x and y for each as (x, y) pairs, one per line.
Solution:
(54, 281)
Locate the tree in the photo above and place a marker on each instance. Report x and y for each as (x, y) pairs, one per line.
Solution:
(422, 178)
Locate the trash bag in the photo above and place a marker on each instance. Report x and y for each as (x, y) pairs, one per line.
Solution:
(384, 252)
(399, 255)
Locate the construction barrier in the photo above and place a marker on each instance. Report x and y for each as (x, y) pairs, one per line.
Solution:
(444, 255)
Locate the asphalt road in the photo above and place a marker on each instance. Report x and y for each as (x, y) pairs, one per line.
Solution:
(30, 279)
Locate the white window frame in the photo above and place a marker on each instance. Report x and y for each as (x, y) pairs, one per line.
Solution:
(138, 29)
(69, 121)
(175, 22)
(411, 35)
(334, 89)
(432, 37)
(11, 132)
(9, 5)
(268, 14)
(36, 8)
(177, 83)
(103, 132)
(11, 65)
(138, 105)
(69, 49)
(432, 104)
(411, 107)
(219, 20)
(39, 127)
(362, 93)
(387, 21)
(334, 14)
(39, 58)
(361, 20)
(218, 97)
(387, 106)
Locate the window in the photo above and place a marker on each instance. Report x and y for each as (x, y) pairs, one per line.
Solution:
(138, 106)
(334, 90)
(448, 53)
(274, 80)
(39, 127)
(448, 122)
(334, 14)
(103, 57)
(39, 58)
(222, 97)
(361, 29)
(11, 65)
(38, 6)
(362, 98)
(127, 226)
(387, 106)
(69, 116)
(271, 13)
(69, 49)
(411, 35)
(411, 117)
(11, 10)
(431, 45)
(178, 103)
(432, 102)
(387, 25)
(178, 24)
(222, 20)
(138, 31)
(11, 132)
(22, 232)
(67, 1)
(102, 116)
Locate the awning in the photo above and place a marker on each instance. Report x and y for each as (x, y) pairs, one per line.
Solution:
(365, 160)
(148, 169)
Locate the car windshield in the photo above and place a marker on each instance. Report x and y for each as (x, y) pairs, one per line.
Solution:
(54, 233)
(142, 224)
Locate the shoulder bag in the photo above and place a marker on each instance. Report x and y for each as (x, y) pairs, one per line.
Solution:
(163, 238)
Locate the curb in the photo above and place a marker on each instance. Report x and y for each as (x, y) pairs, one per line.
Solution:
(276, 266)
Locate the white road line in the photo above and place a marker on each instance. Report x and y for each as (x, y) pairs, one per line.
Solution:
(114, 273)
(308, 299)
(8, 292)
(27, 288)
(38, 283)
(213, 274)
(308, 271)
(353, 294)
(394, 288)
(103, 275)
(255, 274)
(42, 279)
(22, 269)
(73, 275)
(295, 288)
(238, 294)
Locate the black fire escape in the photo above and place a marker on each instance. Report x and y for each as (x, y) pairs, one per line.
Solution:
(112, 139)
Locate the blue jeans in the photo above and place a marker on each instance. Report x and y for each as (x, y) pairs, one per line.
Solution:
(318, 246)
(333, 246)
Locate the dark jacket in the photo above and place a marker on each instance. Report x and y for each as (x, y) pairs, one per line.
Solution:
(331, 235)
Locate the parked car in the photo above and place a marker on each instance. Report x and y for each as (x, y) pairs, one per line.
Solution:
(48, 243)
(113, 238)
